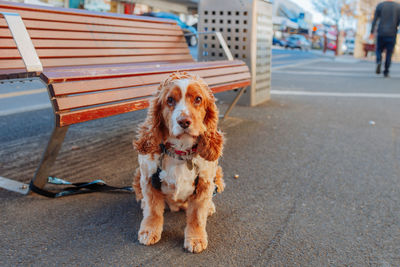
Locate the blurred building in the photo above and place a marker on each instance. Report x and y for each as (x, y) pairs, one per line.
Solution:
(123, 6)
(365, 11)
(185, 9)
(143, 6)
(289, 17)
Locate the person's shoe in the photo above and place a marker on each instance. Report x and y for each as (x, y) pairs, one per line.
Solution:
(378, 68)
(386, 74)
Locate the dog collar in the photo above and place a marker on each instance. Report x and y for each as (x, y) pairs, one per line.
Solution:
(178, 154)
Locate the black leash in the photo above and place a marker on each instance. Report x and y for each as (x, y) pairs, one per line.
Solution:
(77, 188)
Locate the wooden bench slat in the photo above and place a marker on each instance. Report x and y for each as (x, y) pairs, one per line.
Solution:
(80, 101)
(85, 100)
(230, 86)
(68, 118)
(97, 72)
(49, 34)
(78, 27)
(12, 64)
(78, 116)
(77, 87)
(70, 15)
(54, 43)
(56, 53)
(231, 78)
(55, 62)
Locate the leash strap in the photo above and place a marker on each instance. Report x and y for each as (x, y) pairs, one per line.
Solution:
(76, 188)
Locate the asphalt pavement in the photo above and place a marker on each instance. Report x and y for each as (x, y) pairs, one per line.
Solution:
(319, 181)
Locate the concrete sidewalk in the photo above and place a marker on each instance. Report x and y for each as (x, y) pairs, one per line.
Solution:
(319, 184)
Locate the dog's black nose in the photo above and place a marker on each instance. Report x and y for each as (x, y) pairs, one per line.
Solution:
(185, 123)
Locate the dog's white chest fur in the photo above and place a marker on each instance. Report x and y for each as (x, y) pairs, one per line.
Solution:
(177, 180)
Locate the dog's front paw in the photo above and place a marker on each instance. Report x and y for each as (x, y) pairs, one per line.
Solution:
(195, 245)
(149, 236)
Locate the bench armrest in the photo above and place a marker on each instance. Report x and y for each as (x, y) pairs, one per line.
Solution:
(23, 41)
(221, 42)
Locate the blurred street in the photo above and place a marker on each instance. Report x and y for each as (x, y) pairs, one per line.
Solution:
(318, 179)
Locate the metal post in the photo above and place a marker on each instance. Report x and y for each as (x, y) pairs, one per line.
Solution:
(224, 45)
(221, 41)
(239, 94)
(14, 186)
(49, 156)
(23, 42)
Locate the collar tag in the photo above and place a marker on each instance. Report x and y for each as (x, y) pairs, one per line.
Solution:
(189, 164)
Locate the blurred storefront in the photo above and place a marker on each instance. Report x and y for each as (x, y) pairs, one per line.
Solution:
(121, 6)
(283, 25)
(54, 3)
(288, 18)
(186, 10)
(144, 6)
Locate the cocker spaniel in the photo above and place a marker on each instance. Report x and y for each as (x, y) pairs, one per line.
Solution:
(179, 146)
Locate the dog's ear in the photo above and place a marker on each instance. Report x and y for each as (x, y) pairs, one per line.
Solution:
(211, 141)
(152, 131)
(210, 145)
(211, 117)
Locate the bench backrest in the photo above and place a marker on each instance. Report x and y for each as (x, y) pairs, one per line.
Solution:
(67, 37)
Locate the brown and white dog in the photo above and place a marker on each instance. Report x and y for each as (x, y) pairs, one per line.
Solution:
(179, 146)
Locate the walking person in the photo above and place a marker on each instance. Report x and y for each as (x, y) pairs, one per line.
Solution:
(388, 14)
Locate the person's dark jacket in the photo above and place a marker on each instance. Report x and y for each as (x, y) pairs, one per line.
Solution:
(388, 14)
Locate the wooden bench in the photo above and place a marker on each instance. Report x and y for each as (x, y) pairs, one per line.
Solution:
(97, 65)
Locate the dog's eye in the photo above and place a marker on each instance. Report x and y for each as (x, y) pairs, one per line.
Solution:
(197, 100)
(170, 101)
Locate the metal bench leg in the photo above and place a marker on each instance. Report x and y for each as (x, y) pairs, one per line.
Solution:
(239, 94)
(49, 156)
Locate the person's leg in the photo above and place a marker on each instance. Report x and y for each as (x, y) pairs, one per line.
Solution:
(379, 50)
(389, 44)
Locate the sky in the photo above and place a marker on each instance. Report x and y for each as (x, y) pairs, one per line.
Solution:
(308, 6)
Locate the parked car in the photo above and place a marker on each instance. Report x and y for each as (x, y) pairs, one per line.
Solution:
(348, 46)
(331, 45)
(317, 44)
(280, 42)
(298, 41)
(190, 39)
